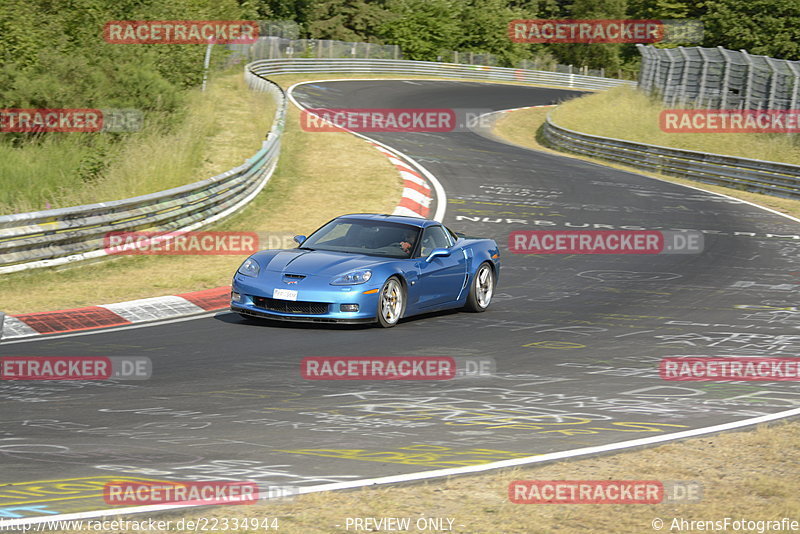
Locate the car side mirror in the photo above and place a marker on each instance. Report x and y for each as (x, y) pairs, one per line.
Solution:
(299, 239)
(436, 253)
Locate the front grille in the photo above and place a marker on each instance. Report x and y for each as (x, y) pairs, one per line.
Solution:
(291, 306)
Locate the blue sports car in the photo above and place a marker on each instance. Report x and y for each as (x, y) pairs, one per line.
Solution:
(368, 268)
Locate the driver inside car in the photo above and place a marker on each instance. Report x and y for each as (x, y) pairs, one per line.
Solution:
(407, 243)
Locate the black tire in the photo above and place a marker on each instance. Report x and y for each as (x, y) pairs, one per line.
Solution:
(391, 302)
(481, 289)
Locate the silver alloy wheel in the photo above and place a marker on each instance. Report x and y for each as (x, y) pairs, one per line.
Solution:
(484, 286)
(392, 301)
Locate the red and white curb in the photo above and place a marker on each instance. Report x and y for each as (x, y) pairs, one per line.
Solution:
(420, 187)
(118, 314)
(417, 196)
(416, 200)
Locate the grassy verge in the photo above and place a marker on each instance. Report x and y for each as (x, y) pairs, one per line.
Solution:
(750, 475)
(53, 172)
(315, 181)
(521, 127)
(626, 113)
(305, 191)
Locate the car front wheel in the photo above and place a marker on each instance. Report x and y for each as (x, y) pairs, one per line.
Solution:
(391, 302)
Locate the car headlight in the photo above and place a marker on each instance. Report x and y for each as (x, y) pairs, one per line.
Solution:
(249, 268)
(352, 278)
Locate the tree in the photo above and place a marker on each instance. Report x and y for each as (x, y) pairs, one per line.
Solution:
(424, 29)
(347, 20)
(484, 28)
(594, 55)
(765, 27)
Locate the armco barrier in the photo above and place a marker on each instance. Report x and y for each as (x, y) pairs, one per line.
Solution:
(779, 179)
(268, 67)
(61, 236)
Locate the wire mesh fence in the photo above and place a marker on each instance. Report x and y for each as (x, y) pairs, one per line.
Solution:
(275, 47)
(716, 78)
(282, 47)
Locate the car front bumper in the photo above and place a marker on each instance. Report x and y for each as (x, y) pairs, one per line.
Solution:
(255, 298)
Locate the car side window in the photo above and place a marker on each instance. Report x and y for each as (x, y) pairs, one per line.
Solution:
(433, 238)
(453, 235)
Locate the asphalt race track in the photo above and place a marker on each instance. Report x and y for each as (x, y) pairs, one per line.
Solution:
(576, 339)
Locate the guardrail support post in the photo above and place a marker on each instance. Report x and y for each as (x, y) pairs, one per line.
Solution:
(723, 104)
(669, 84)
(773, 85)
(701, 92)
(684, 76)
(748, 92)
(795, 83)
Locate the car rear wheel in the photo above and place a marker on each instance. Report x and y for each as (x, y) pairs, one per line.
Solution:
(481, 290)
(391, 302)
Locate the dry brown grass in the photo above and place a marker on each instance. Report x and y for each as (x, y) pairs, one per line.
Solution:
(520, 128)
(626, 113)
(305, 191)
(751, 475)
(320, 176)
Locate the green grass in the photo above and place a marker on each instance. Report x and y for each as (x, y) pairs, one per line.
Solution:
(305, 191)
(750, 475)
(41, 173)
(626, 113)
(521, 128)
(70, 169)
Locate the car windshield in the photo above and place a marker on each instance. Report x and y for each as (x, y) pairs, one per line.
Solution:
(374, 238)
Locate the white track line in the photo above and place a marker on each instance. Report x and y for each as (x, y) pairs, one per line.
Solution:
(147, 324)
(542, 458)
(605, 163)
(411, 477)
(441, 196)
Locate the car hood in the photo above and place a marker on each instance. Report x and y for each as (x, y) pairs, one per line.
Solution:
(316, 262)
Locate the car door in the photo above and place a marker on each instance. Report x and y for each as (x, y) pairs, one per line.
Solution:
(441, 278)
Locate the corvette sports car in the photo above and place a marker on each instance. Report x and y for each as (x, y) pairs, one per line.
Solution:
(368, 268)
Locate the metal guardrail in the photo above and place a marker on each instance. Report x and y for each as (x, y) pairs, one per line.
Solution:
(61, 236)
(430, 68)
(778, 179)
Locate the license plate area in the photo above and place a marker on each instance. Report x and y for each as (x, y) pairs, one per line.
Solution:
(284, 294)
